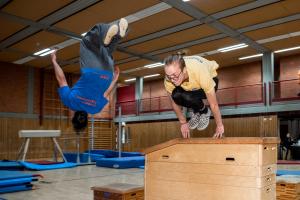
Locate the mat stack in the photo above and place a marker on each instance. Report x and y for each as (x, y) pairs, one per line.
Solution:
(14, 181)
(288, 187)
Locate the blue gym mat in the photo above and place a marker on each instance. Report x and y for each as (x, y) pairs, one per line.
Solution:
(16, 188)
(16, 181)
(5, 174)
(114, 154)
(83, 157)
(287, 172)
(13, 181)
(121, 163)
(33, 166)
(10, 165)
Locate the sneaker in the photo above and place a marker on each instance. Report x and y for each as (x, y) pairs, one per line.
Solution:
(204, 120)
(112, 31)
(194, 121)
(123, 25)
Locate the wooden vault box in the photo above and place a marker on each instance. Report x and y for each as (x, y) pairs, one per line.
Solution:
(212, 169)
(119, 191)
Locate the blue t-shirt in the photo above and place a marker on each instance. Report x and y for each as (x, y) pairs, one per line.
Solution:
(87, 93)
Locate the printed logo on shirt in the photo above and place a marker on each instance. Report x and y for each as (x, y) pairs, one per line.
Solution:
(89, 102)
(104, 77)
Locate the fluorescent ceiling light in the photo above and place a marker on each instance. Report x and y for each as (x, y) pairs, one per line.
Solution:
(153, 75)
(129, 80)
(234, 47)
(40, 52)
(48, 52)
(253, 56)
(288, 49)
(154, 65)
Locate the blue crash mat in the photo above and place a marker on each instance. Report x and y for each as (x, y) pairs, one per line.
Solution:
(121, 163)
(83, 157)
(5, 174)
(10, 165)
(16, 188)
(287, 172)
(33, 166)
(16, 181)
(114, 154)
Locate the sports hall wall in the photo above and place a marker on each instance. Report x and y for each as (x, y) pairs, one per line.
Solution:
(15, 83)
(20, 108)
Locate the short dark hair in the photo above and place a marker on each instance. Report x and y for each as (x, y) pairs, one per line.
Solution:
(175, 58)
(80, 120)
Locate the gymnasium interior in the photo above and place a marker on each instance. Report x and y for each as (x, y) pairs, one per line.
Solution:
(133, 149)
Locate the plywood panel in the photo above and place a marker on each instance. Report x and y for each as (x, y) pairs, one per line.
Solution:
(146, 71)
(72, 68)
(39, 41)
(151, 133)
(175, 39)
(167, 168)
(120, 55)
(272, 31)
(6, 56)
(43, 148)
(176, 190)
(204, 47)
(34, 9)
(69, 52)
(133, 64)
(285, 43)
(263, 14)
(159, 21)
(210, 7)
(39, 147)
(14, 86)
(103, 12)
(231, 58)
(10, 28)
(194, 173)
(40, 62)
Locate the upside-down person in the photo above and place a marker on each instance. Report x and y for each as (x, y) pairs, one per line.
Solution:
(98, 74)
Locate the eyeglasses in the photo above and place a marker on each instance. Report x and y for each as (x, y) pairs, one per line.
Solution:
(173, 76)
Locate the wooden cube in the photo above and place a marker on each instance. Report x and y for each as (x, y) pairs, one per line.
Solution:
(119, 191)
(288, 188)
(212, 169)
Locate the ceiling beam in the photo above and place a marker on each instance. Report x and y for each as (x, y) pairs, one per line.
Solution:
(47, 21)
(3, 3)
(191, 24)
(211, 21)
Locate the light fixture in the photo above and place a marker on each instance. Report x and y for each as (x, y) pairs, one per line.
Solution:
(48, 52)
(234, 47)
(185, 0)
(154, 65)
(129, 80)
(252, 56)
(152, 75)
(83, 34)
(41, 51)
(288, 49)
